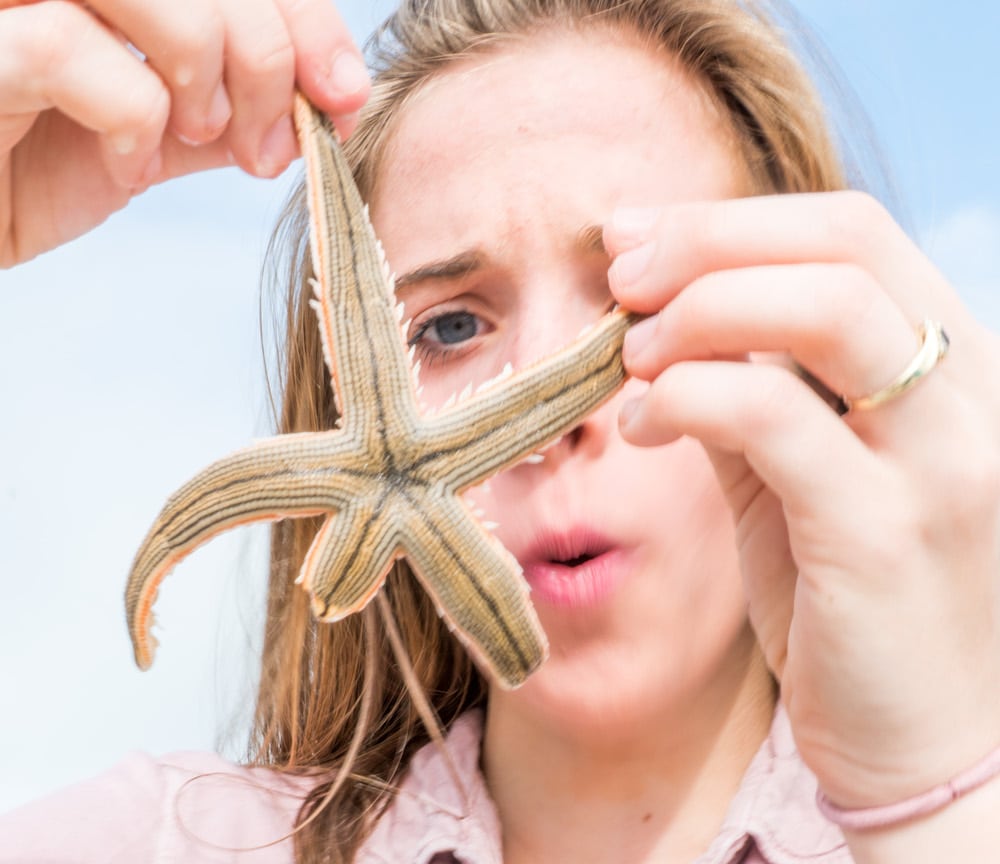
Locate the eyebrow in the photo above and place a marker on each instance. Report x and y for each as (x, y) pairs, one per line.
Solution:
(448, 268)
(590, 238)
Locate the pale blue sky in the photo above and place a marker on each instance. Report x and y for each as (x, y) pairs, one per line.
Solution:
(130, 359)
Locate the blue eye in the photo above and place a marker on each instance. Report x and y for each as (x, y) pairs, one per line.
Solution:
(451, 328)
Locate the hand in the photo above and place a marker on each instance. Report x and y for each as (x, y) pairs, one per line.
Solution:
(869, 544)
(85, 123)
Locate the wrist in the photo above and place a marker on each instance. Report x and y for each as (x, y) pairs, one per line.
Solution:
(916, 806)
(966, 830)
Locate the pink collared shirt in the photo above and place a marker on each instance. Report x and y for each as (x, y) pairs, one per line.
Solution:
(197, 808)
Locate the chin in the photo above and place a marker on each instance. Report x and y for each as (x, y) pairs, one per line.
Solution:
(592, 691)
(607, 691)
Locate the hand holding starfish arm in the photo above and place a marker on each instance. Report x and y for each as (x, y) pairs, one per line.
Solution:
(387, 478)
(100, 100)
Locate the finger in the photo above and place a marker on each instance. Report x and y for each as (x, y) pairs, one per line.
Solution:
(766, 562)
(55, 55)
(661, 251)
(183, 41)
(328, 66)
(787, 434)
(178, 158)
(833, 319)
(260, 78)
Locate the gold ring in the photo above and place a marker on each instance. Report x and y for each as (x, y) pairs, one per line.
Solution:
(933, 346)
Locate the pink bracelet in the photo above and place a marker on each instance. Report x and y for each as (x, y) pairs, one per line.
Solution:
(867, 818)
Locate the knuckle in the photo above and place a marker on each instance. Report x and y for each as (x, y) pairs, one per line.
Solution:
(296, 8)
(854, 292)
(703, 226)
(142, 113)
(970, 490)
(146, 104)
(268, 58)
(856, 221)
(194, 39)
(315, 21)
(775, 406)
(58, 34)
(279, 57)
(68, 33)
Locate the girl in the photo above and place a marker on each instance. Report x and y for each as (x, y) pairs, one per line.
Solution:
(749, 595)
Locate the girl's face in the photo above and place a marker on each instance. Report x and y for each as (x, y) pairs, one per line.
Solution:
(489, 203)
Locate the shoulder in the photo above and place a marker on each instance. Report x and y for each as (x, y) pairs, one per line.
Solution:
(185, 806)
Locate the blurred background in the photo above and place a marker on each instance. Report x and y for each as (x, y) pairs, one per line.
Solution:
(131, 358)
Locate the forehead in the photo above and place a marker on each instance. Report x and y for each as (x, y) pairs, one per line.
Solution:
(591, 112)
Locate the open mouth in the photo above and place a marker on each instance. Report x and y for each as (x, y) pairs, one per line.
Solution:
(572, 549)
(575, 570)
(575, 561)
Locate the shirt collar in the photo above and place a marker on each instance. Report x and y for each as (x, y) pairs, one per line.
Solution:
(774, 810)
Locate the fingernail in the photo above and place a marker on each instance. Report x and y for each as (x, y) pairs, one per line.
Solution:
(349, 74)
(219, 111)
(151, 172)
(633, 225)
(124, 143)
(628, 413)
(638, 339)
(277, 148)
(629, 267)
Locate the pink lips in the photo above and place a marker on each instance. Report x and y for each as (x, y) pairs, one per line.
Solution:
(575, 570)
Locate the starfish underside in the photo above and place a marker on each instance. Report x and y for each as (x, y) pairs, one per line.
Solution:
(388, 478)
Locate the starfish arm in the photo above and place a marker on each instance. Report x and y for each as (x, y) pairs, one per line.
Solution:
(477, 587)
(511, 419)
(286, 476)
(350, 558)
(356, 303)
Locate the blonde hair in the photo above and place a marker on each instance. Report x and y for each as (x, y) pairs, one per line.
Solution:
(314, 690)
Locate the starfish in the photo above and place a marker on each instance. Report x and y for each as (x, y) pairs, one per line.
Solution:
(387, 478)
